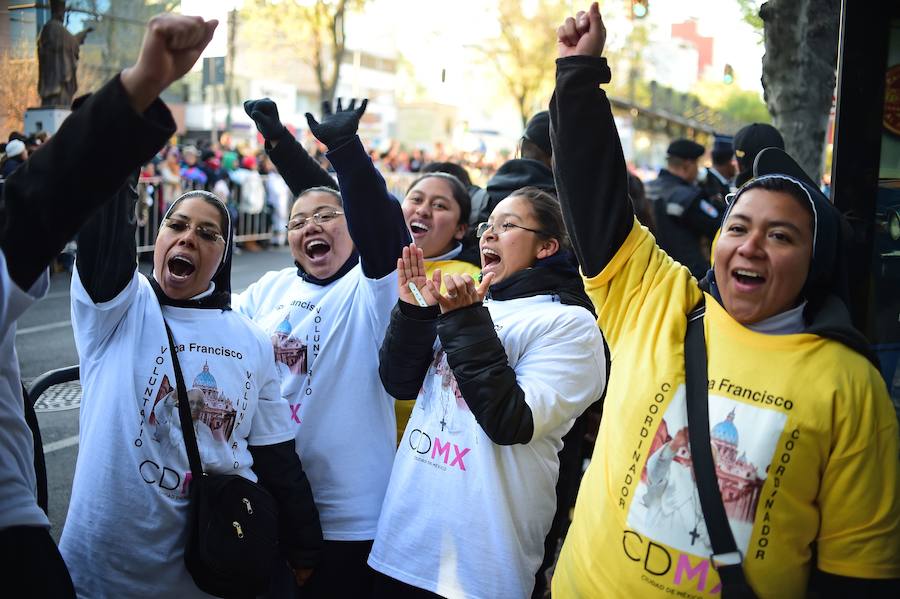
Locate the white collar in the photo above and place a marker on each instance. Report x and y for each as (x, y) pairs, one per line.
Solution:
(208, 292)
(719, 176)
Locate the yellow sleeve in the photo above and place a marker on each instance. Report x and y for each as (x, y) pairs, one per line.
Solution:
(643, 283)
(859, 495)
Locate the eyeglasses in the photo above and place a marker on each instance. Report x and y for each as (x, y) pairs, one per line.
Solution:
(320, 218)
(483, 228)
(180, 226)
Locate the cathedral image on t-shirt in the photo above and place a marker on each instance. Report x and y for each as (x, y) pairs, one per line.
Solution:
(209, 407)
(666, 506)
(289, 350)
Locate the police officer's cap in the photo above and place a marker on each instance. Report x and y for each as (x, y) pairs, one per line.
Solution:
(685, 149)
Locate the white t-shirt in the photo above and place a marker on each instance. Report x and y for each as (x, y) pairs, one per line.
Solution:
(18, 488)
(464, 517)
(326, 341)
(126, 528)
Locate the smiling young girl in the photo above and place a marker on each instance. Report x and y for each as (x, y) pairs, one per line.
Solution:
(472, 491)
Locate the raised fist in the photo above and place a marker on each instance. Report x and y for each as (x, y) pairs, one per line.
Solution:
(583, 35)
(172, 45)
(265, 114)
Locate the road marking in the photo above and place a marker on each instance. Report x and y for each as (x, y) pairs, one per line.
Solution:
(44, 327)
(61, 444)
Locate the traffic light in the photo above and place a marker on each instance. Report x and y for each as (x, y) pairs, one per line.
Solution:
(639, 8)
(728, 75)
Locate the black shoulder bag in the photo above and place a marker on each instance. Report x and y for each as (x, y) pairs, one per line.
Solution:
(232, 543)
(726, 558)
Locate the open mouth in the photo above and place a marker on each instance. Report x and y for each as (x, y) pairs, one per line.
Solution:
(748, 277)
(418, 228)
(489, 257)
(180, 267)
(316, 248)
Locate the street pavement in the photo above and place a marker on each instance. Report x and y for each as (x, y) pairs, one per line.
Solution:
(44, 342)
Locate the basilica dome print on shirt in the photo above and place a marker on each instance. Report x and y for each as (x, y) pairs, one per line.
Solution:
(666, 506)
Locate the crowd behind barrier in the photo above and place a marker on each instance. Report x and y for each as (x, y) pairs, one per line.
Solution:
(259, 226)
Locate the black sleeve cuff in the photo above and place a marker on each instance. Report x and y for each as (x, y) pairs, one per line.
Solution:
(418, 312)
(598, 67)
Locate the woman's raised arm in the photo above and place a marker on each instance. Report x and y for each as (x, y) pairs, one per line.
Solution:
(588, 165)
(373, 215)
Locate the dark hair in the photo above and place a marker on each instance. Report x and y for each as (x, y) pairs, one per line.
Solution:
(450, 168)
(547, 212)
(679, 162)
(780, 184)
(529, 149)
(721, 156)
(643, 210)
(322, 189)
(210, 199)
(460, 194)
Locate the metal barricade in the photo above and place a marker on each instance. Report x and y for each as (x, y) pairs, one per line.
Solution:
(153, 202)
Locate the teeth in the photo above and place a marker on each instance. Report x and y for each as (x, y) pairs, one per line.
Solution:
(748, 273)
(314, 243)
(490, 252)
(418, 225)
(183, 259)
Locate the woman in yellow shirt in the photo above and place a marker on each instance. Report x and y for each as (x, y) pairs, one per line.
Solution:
(801, 426)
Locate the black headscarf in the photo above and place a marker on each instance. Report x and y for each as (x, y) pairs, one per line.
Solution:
(220, 298)
(826, 288)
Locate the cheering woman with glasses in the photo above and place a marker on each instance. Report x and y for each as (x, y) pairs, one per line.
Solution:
(435, 208)
(125, 531)
(472, 491)
(326, 318)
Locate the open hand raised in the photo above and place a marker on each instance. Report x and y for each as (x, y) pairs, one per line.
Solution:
(583, 35)
(337, 128)
(411, 269)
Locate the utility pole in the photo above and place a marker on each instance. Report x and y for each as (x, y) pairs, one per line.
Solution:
(229, 77)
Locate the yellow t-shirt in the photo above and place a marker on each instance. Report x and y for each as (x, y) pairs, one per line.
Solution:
(402, 409)
(802, 428)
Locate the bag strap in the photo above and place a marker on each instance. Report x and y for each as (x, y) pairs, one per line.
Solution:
(184, 412)
(726, 557)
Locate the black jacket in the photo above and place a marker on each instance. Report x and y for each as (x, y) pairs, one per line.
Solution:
(685, 220)
(474, 351)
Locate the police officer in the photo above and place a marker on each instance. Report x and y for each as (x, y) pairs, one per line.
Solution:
(686, 220)
(719, 179)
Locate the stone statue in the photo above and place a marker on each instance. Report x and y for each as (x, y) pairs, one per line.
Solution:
(58, 59)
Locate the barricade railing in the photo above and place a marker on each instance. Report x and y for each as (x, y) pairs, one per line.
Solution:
(154, 197)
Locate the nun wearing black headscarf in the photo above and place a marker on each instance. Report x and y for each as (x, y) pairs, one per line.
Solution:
(803, 441)
(125, 532)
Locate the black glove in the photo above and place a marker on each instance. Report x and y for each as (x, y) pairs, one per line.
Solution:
(337, 128)
(265, 114)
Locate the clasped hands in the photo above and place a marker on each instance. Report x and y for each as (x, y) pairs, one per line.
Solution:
(461, 290)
